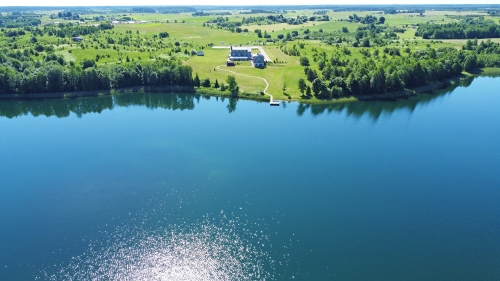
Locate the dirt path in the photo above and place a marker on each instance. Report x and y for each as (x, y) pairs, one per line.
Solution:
(263, 52)
(249, 76)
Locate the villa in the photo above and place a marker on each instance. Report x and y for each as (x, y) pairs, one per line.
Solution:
(240, 53)
(245, 53)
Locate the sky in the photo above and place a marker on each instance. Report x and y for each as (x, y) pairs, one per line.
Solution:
(226, 2)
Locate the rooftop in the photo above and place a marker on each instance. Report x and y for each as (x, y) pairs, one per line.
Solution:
(242, 49)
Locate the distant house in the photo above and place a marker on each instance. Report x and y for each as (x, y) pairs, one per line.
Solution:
(115, 22)
(77, 39)
(240, 53)
(229, 63)
(142, 21)
(200, 53)
(258, 61)
(130, 22)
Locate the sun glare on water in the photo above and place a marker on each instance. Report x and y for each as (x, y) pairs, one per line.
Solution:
(204, 250)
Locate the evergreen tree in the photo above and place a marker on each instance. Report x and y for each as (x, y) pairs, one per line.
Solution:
(311, 75)
(302, 85)
(196, 81)
(308, 91)
(205, 83)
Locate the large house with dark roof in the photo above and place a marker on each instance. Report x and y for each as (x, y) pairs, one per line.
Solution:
(240, 53)
(245, 53)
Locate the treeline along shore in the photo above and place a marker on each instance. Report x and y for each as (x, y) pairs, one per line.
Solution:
(24, 78)
(54, 80)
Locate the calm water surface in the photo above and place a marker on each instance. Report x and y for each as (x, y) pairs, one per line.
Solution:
(183, 187)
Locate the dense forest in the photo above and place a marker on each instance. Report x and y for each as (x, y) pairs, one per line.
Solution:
(17, 19)
(19, 75)
(388, 71)
(466, 28)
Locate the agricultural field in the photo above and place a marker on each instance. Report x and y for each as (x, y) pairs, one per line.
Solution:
(343, 45)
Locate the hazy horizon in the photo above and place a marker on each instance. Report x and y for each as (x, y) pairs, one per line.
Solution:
(230, 3)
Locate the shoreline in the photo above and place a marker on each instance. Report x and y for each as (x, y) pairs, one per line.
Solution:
(391, 96)
(78, 94)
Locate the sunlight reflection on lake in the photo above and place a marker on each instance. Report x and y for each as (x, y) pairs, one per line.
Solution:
(209, 249)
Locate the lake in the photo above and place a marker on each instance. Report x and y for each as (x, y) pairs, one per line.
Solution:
(186, 187)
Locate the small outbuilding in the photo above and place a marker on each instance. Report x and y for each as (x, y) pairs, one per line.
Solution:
(77, 39)
(200, 53)
(230, 63)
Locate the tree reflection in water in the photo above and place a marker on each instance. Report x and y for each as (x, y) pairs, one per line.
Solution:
(182, 101)
(375, 109)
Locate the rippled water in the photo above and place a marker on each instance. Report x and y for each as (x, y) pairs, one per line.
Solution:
(185, 187)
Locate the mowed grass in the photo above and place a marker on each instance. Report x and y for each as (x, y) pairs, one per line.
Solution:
(278, 75)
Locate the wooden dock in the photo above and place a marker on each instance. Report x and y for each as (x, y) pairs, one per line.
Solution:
(274, 102)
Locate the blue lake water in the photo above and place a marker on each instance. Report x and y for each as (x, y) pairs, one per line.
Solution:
(183, 187)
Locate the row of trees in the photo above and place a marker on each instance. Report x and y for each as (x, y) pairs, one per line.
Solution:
(270, 19)
(61, 30)
(71, 30)
(468, 28)
(369, 19)
(232, 85)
